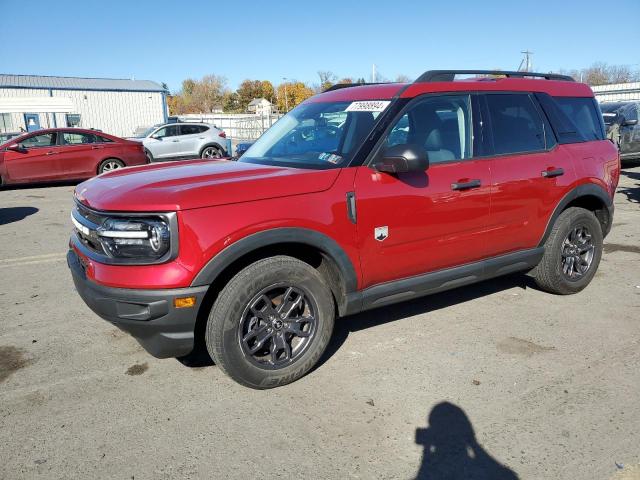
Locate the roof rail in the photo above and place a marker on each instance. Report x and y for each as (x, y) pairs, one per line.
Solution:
(338, 86)
(449, 75)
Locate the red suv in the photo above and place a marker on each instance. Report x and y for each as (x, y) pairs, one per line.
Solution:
(359, 197)
(65, 154)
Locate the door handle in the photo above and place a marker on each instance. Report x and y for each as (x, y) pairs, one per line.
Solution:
(52, 153)
(552, 173)
(96, 148)
(175, 140)
(475, 183)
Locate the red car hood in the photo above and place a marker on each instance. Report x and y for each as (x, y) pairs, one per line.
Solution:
(194, 184)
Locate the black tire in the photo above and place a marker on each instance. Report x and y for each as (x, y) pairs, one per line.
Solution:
(149, 156)
(211, 152)
(555, 272)
(232, 312)
(109, 165)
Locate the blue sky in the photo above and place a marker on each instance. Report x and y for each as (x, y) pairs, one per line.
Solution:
(168, 41)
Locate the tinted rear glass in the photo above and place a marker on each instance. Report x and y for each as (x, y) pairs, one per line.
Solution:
(516, 124)
(585, 115)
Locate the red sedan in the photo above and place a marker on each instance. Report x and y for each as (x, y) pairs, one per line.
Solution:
(65, 154)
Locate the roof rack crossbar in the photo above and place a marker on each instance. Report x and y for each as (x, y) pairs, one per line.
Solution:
(449, 75)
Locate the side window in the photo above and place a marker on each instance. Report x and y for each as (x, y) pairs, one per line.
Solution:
(189, 129)
(101, 139)
(39, 141)
(516, 124)
(202, 128)
(69, 138)
(170, 131)
(584, 114)
(441, 124)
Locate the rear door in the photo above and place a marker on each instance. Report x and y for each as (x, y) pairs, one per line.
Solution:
(190, 137)
(530, 171)
(37, 161)
(418, 222)
(630, 132)
(78, 155)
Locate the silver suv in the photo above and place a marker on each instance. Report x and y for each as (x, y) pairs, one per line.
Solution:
(183, 140)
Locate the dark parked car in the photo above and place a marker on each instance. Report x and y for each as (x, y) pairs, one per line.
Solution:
(241, 148)
(65, 154)
(621, 120)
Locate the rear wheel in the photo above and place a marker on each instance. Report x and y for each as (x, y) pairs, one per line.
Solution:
(110, 164)
(571, 253)
(211, 152)
(149, 156)
(271, 323)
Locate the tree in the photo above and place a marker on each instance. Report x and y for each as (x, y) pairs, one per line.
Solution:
(327, 79)
(291, 94)
(601, 73)
(250, 89)
(199, 96)
(403, 79)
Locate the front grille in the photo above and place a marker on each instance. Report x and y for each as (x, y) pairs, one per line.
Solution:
(88, 235)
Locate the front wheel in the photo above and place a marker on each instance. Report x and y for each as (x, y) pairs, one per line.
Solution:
(211, 153)
(572, 253)
(271, 323)
(109, 165)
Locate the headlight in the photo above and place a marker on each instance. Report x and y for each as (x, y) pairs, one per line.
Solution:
(118, 238)
(148, 238)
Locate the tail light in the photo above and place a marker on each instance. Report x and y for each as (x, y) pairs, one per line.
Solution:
(222, 134)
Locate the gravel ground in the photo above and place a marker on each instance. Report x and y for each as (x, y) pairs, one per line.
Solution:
(497, 380)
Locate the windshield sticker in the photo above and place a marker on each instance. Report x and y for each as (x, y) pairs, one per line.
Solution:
(331, 158)
(368, 106)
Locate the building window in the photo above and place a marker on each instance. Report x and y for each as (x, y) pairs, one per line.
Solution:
(73, 119)
(6, 125)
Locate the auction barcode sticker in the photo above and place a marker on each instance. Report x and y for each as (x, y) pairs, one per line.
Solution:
(368, 106)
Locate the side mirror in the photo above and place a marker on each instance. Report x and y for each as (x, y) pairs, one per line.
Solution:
(16, 147)
(403, 158)
(628, 123)
(156, 137)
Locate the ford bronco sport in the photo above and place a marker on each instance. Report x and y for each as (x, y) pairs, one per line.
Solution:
(359, 197)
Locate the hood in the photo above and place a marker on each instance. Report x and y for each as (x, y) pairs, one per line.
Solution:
(183, 185)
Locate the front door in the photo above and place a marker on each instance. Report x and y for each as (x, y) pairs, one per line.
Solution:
(164, 143)
(36, 161)
(32, 121)
(418, 222)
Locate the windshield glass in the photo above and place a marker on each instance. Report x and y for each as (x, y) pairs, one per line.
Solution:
(146, 133)
(316, 135)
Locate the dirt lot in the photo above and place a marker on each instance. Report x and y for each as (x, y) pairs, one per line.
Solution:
(499, 379)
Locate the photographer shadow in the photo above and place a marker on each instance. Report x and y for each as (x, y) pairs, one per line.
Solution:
(451, 450)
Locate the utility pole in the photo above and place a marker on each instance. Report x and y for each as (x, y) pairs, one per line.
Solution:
(525, 63)
(286, 97)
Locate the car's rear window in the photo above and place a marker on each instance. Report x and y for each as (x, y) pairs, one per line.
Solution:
(585, 114)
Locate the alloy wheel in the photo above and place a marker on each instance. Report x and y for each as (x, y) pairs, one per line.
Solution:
(211, 152)
(277, 326)
(577, 253)
(110, 166)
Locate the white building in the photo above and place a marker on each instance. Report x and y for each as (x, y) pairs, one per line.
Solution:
(260, 106)
(116, 106)
(617, 92)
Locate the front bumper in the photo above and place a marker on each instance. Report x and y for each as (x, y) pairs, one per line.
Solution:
(148, 315)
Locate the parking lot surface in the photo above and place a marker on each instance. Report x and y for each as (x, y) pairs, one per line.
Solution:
(498, 379)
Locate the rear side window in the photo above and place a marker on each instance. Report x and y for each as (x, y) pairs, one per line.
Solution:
(101, 139)
(72, 138)
(585, 115)
(516, 124)
(190, 129)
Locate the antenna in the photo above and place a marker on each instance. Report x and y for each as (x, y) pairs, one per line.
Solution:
(525, 63)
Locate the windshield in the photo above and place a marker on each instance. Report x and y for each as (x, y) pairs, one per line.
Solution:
(146, 133)
(316, 135)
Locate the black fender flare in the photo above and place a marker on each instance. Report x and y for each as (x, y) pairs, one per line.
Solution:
(248, 244)
(584, 190)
